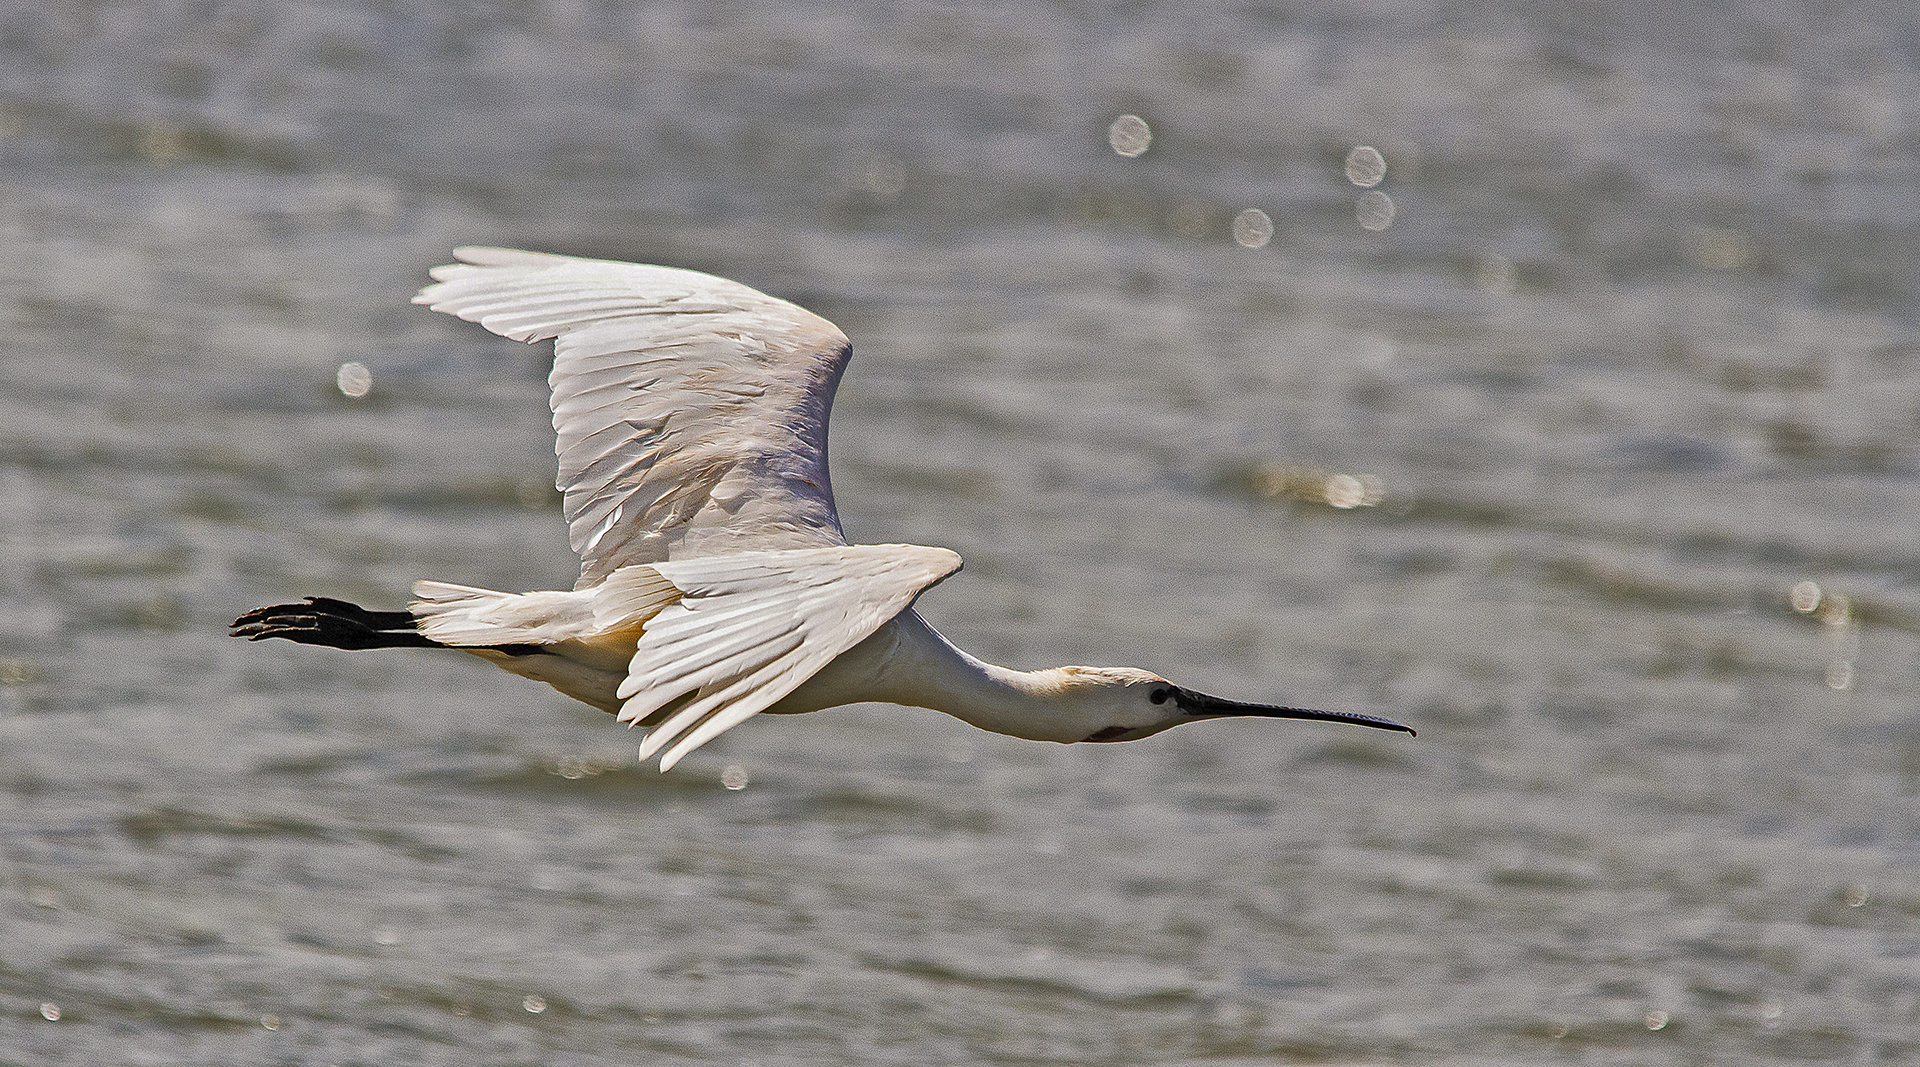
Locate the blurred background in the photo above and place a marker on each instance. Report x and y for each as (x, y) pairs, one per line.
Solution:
(1544, 375)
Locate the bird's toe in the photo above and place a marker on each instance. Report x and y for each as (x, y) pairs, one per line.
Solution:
(276, 620)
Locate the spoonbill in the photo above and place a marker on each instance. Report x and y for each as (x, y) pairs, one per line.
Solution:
(715, 582)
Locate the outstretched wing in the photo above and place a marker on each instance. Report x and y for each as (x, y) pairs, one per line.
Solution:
(750, 628)
(691, 410)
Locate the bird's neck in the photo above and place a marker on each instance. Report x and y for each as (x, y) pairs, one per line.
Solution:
(908, 662)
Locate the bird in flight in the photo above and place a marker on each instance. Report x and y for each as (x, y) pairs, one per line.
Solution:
(715, 582)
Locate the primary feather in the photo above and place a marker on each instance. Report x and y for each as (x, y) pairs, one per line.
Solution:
(690, 411)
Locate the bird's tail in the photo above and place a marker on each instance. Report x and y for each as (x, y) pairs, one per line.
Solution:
(465, 616)
(335, 623)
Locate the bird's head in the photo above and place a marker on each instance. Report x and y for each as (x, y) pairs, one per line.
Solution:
(1126, 704)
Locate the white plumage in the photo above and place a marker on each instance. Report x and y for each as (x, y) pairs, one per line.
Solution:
(715, 583)
(691, 411)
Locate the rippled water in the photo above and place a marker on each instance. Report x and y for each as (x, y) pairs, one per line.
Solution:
(1586, 446)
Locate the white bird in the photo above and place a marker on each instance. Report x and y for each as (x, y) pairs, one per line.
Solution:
(715, 582)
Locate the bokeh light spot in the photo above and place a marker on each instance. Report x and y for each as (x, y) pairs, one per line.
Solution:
(882, 178)
(1365, 167)
(1375, 210)
(1805, 597)
(1252, 228)
(1129, 135)
(354, 379)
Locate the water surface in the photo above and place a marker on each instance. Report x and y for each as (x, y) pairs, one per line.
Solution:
(1626, 393)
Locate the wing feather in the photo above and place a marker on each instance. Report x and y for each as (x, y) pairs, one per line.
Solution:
(690, 411)
(749, 628)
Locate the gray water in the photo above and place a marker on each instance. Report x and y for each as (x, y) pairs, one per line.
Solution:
(1627, 394)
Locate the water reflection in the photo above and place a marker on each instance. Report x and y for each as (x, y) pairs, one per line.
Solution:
(1190, 218)
(1721, 249)
(1334, 489)
(1836, 615)
(1495, 273)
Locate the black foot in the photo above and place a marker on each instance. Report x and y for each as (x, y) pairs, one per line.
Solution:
(334, 623)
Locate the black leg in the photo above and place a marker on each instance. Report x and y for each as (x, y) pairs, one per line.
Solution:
(334, 623)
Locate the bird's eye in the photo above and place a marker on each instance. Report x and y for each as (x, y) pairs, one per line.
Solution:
(1160, 695)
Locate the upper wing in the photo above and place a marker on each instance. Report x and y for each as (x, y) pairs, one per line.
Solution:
(691, 410)
(749, 628)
